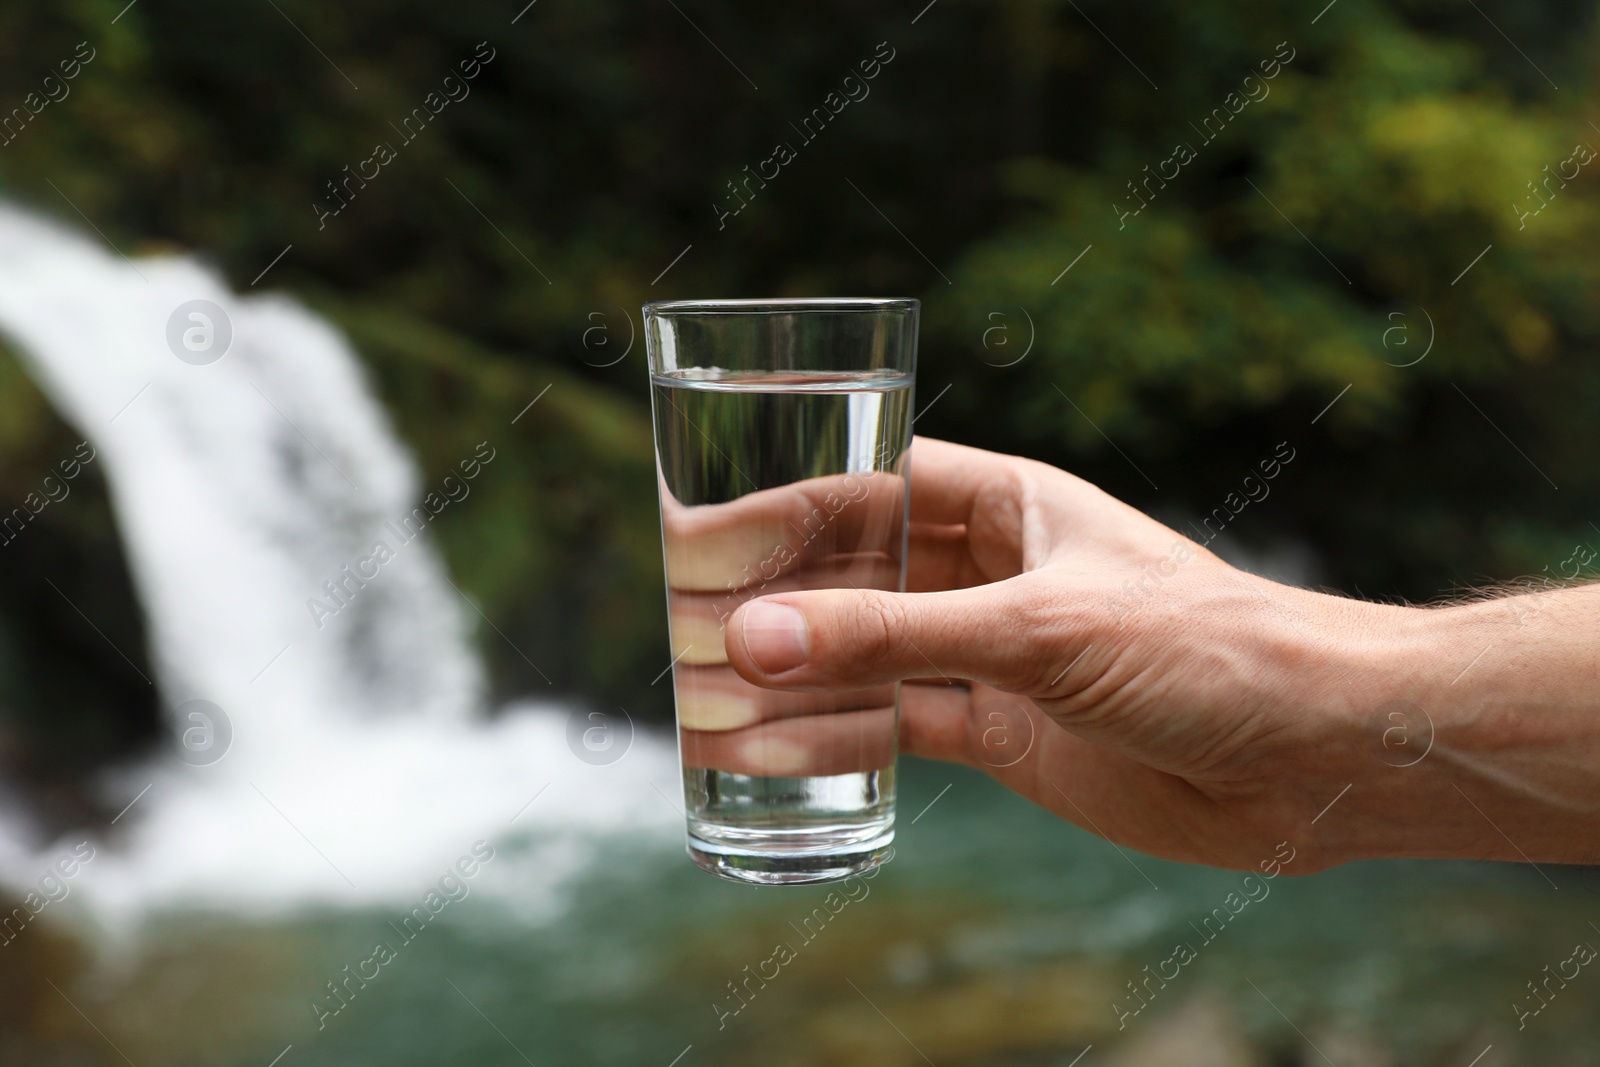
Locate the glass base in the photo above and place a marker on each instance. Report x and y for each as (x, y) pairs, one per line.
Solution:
(790, 857)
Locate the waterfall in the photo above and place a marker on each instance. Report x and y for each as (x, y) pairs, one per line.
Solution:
(359, 762)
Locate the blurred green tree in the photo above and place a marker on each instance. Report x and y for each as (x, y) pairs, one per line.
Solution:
(1360, 209)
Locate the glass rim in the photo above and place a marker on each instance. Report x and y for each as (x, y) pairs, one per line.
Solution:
(790, 305)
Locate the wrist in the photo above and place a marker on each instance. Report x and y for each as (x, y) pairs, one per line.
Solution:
(1470, 732)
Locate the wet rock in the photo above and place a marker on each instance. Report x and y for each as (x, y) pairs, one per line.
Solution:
(76, 688)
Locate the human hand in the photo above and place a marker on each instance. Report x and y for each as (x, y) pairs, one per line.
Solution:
(1169, 701)
(837, 530)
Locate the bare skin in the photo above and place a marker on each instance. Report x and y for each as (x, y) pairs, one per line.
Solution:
(1200, 713)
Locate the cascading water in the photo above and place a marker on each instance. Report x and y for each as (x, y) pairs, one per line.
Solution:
(357, 767)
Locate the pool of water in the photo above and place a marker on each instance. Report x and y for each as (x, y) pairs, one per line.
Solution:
(998, 935)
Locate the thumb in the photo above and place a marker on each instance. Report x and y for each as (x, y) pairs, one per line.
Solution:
(854, 638)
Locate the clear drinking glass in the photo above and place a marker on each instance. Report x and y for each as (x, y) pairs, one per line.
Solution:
(783, 430)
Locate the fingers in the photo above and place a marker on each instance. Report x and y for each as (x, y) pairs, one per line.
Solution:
(1004, 635)
(715, 699)
(814, 745)
(975, 725)
(950, 480)
(773, 532)
(1019, 512)
(1100, 789)
(698, 619)
(934, 722)
(940, 557)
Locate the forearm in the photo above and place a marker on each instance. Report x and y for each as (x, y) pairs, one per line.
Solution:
(1475, 731)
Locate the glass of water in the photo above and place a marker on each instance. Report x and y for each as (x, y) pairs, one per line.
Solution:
(783, 430)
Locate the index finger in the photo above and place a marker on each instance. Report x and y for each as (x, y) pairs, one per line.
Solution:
(954, 482)
(770, 532)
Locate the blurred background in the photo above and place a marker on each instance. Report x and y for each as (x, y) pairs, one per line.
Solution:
(1155, 245)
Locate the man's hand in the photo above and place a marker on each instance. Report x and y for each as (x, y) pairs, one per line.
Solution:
(1118, 674)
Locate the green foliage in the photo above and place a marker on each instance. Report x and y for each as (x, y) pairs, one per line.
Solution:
(559, 542)
(1317, 242)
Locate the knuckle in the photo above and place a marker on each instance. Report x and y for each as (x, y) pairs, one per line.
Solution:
(884, 627)
(1039, 620)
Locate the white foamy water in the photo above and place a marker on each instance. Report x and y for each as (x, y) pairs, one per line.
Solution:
(361, 764)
